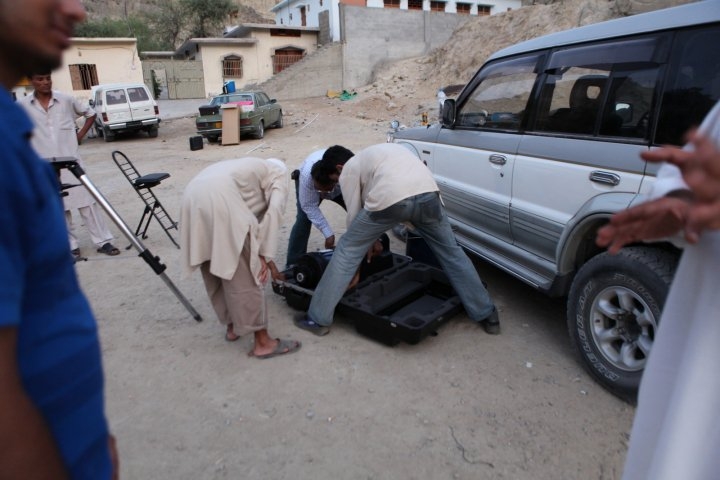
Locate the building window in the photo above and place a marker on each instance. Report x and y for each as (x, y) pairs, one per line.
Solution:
(232, 66)
(391, 3)
(83, 76)
(483, 10)
(415, 4)
(463, 8)
(437, 6)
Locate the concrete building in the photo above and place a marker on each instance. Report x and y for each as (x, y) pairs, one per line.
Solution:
(91, 61)
(325, 14)
(247, 54)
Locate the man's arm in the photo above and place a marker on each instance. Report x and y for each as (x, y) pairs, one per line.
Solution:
(88, 113)
(310, 203)
(28, 449)
(89, 121)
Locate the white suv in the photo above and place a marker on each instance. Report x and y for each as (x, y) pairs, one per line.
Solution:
(124, 107)
(542, 146)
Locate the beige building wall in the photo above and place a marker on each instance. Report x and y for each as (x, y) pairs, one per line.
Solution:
(257, 58)
(115, 60)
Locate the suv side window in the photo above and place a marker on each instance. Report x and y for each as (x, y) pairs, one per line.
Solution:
(261, 99)
(116, 97)
(601, 90)
(693, 84)
(138, 94)
(500, 99)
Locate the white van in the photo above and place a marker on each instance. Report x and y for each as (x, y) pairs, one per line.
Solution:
(124, 107)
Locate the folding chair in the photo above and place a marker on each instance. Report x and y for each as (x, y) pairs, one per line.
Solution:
(143, 185)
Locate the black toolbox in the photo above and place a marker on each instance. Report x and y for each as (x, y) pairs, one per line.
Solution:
(397, 300)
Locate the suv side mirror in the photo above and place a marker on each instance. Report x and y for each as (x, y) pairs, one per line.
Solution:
(91, 102)
(448, 113)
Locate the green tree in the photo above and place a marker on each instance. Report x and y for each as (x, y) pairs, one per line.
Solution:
(167, 22)
(131, 26)
(207, 17)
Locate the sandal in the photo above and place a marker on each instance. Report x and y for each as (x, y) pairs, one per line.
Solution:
(109, 249)
(283, 347)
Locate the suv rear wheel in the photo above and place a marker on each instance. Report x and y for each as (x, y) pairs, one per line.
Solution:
(108, 134)
(613, 313)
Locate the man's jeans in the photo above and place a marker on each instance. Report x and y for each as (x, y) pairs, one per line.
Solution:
(428, 217)
(300, 233)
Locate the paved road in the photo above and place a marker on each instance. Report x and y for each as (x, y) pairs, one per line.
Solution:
(180, 108)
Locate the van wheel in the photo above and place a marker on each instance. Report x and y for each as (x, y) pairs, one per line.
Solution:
(153, 131)
(108, 135)
(613, 313)
(260, 130)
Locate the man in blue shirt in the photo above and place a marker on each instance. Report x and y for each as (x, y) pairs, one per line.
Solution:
(308, 197)
(52, 420)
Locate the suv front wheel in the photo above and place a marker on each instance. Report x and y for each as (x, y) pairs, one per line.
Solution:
(613, 313)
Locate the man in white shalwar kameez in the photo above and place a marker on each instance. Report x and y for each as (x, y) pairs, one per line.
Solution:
(676, 431)
(56, 135)
(230, 222)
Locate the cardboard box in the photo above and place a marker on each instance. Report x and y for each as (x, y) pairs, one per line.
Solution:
(230, 124)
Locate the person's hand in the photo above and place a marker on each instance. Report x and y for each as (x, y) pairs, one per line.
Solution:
(330, 242)
(649, 221)
(263, 277)
(700, 167)
(354, 280)
(275, 274)
(375, 250)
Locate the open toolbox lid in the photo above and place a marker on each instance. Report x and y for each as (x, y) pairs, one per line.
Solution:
(402, 300)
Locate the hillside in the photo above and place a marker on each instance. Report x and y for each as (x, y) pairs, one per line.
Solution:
(250, 11)
(457, 61)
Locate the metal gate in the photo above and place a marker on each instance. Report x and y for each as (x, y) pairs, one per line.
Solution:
(175, 79)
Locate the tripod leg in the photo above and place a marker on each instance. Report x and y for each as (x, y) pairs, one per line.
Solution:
(152, 261)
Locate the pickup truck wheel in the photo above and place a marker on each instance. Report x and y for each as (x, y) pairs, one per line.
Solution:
(108, 134)
(613, 313)
(153, 131)
(260, 130)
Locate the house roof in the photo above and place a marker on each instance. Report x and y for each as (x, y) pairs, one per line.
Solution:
(78, 40)
(192, 43)
(245, 29)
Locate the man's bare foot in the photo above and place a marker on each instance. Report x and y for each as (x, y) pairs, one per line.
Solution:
(230, 334)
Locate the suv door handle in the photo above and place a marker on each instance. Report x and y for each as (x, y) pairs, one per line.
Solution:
(605, 177)
(496, 159)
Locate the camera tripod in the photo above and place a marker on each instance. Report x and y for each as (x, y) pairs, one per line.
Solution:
(72, 165)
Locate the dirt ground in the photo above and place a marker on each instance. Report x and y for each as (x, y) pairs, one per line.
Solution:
(185, 404)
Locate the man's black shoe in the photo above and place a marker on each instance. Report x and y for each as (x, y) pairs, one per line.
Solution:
(492, 323)
(301, 320)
